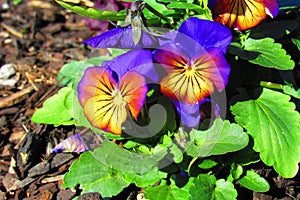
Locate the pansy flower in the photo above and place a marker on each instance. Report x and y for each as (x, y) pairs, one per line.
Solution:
(108, 96)
(195, 64)
(242, 14)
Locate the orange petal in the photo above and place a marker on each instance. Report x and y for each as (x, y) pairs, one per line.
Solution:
(241, 14)
(134, 90)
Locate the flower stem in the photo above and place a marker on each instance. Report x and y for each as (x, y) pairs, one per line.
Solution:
(271, 85)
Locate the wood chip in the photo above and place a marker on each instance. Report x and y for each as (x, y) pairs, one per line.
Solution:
(10, 181)
(40, 4)
(12, 30)
(15, 98)
(52, 179)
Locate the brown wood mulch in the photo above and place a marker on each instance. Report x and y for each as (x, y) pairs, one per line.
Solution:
(37, 38)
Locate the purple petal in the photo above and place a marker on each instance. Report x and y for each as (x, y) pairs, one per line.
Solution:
(121, 38)
(105, 40)
(207, 33)
(138, 60)
(190, 114)
(271, 7)
(74, 143)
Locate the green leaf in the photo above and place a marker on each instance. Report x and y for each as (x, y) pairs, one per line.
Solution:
(57, 109)
(271, 54)
(126, 161)
(202, 13)
(224, 190)
(274, 125)
(222, 137)
(287, 89)
(246, 156)
(207, 164)
(296, 42)
(74, 70)
(182, 5)
(235, 172)
(94, 13)
(17, 2)
(71, 71)
(203, 187)
(167, 192)
(92, 175)
(157, 6)
(146, 179)
(254, 182)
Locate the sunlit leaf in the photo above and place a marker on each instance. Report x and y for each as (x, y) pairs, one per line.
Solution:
(57, 109)
(203, 187)
(272, 55)
(221, 138)
(146, 179)
(93, 175)
(94, 13)
(275, 128)
(207, 164)
(224, 190)
(287, 89)
(124, 160)
(296, 42)
(168, 192)
(254, 182)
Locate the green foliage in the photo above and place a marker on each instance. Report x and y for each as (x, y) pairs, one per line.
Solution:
(127, 161)
(271, 54)
(275, 129)
(206, 187)
(73, 71)
(94, 13)
(221, 138)
(224, 190)
(296, 42)
(289, 89)
(101, 168)
(17, 2)
(202, 13)
(93, 175)
(202, 187)
(167, 192)
(235, 172)
(57, 109)
(207, 164)
(254, 182)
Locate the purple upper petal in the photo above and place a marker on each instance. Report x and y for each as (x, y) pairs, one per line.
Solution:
(206, 33)
(121, 38)
(138, 60)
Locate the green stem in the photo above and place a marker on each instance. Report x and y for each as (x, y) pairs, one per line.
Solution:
(191, 163)
(271, 85)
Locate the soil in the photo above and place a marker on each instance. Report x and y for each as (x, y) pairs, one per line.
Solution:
(37, 38)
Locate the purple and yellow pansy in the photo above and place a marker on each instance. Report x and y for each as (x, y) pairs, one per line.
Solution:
(242, 14)
(192, 65)
(108, 96)
(195, 65)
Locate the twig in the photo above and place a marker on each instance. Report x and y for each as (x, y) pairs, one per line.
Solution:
(12, 30)
(15, 98)
(52, 179)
